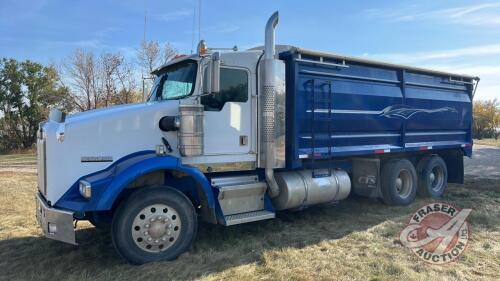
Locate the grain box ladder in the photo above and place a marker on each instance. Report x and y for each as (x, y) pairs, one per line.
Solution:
(321, 103)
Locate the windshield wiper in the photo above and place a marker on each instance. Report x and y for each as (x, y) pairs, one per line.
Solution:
(162, 80)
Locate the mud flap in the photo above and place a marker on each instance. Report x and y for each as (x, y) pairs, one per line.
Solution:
(366, 177)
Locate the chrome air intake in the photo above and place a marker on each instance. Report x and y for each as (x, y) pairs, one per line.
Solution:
(267, 105)
(41, 161)
(191, 130)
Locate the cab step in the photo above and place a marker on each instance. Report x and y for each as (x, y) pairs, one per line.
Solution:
(237, 195)
(241, 199)
(249, 217)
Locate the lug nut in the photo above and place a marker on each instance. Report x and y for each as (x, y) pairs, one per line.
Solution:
(146, 233)
(149, 239)
(147, 225)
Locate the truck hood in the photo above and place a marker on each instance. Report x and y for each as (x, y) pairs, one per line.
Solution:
(110, 134)
(127, 109)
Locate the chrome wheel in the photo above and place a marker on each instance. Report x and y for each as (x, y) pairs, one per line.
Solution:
(404, 184)
(156, 228)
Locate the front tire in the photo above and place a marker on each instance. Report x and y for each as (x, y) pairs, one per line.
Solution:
(432, 176)
(154, 224)
(398, 182)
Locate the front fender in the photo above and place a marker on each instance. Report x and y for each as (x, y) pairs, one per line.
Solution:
(110, 182)
(147, 166)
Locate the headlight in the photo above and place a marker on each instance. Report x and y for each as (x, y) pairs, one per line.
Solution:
(85, 189)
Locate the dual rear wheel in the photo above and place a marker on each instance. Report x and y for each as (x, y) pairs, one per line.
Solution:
(401, 181)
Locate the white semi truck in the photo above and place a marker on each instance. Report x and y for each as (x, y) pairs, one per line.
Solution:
(233, 137)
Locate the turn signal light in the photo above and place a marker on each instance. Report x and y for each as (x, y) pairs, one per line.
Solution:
(85, 189)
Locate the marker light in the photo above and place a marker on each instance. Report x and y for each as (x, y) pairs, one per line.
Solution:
(85, 189)
(202, 47)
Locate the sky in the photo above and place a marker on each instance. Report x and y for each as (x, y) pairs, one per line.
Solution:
(451, 35)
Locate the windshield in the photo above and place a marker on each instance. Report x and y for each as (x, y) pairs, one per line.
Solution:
(175, 82)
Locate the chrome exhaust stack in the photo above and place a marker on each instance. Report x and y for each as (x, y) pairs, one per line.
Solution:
(268, 104)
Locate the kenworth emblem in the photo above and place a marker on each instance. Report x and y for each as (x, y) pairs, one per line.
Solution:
(96, 159)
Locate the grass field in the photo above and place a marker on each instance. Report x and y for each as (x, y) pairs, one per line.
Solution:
(354, 240)
(14, 160)
(491, 142)
(18, 163)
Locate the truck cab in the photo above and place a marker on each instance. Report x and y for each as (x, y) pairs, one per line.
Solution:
(199, 121)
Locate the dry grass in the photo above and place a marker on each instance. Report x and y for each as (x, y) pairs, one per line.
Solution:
(355, 240)
(18, 159)
(492, 142)
(18, 163)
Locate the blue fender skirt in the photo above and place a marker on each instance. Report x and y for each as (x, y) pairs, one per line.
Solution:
(107, 184)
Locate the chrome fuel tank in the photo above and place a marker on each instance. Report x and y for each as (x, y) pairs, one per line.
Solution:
(300, 189)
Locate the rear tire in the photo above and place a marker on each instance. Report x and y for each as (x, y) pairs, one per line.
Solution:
(432, 176)
(398, 182)
(154, 224)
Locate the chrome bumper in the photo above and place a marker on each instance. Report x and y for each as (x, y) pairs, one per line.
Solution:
(56, 224)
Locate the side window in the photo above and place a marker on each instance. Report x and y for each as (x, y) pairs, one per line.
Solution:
(233, 88)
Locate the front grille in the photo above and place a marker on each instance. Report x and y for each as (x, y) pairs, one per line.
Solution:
(41, 164)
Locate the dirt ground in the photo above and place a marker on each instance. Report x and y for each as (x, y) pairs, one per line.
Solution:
(485, 162)
(356, 239)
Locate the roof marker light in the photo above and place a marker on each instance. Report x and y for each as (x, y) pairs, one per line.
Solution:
(202, 47)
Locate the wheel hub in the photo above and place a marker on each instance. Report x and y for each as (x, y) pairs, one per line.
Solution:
(403, 183)
(437, 178)
(399, 184)
(156, 228)
(432, 177)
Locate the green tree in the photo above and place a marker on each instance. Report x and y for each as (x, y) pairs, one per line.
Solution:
(28, 91)
(486, 118)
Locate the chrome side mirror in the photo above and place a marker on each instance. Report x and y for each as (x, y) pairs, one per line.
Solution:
(212, 75)
(57, 116)
(215, 73)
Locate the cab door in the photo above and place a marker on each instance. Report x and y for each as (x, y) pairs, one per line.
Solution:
(228, 120)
